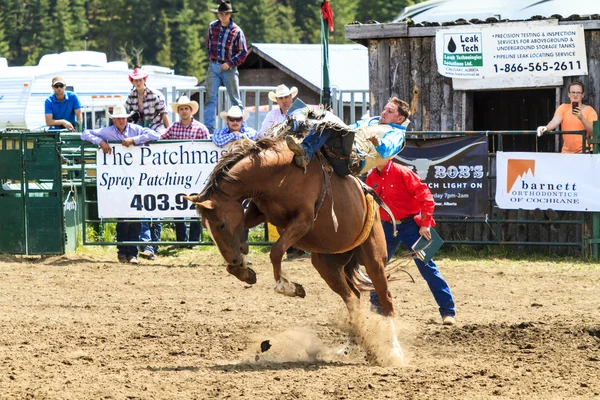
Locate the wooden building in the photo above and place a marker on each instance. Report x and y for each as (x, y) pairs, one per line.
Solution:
(402, 63)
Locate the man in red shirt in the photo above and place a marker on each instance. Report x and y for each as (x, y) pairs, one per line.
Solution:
(412, 204)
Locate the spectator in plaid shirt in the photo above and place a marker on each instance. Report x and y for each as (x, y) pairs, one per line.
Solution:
(186, 129)
(236, 129)
(149, 104)
(226, 45)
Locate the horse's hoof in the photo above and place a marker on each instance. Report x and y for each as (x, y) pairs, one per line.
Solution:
(251, 277)
(299, 291)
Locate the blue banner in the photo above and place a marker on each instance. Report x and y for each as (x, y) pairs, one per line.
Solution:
(456, 171)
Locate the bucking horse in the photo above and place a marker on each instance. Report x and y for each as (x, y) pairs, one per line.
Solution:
(314, 210)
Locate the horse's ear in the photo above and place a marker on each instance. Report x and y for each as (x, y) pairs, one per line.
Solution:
(206, 204)
(193, 199)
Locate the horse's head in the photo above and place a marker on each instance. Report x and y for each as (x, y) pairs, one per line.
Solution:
(224, 221)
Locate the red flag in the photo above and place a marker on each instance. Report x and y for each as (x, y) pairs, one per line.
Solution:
(327, 14)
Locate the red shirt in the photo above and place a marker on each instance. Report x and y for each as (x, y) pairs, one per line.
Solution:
(404, 192)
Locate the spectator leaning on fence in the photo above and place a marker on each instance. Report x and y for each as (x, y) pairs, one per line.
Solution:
(149, 110)
(226, 46)
(574, 116)
(236, 129)
(62, 109)
(187, 128)
(128, 134)
(284, 97)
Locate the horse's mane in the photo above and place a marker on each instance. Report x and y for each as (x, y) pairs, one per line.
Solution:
(242, 148)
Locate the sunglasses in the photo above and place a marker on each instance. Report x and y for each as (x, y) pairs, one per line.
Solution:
(59, 86)
(231, 119)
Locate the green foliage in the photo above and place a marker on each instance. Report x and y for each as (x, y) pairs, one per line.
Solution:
(379, 10)
(166, 32)
(4, 46)
(189, 54)
(163, 57)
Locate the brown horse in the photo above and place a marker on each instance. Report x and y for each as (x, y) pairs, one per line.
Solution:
(300, 206)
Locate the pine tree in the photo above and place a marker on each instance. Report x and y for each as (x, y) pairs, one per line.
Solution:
(189, 55)
(163, 57)
(379, 10)
(4, 47)
(308, 19)
(61, 27)
(36, 40)
(268, 21)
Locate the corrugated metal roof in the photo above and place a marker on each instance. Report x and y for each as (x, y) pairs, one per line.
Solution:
(348, 63)
(451, 10)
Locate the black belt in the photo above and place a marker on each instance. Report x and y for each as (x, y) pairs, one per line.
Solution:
(217, 61)
(404, 220)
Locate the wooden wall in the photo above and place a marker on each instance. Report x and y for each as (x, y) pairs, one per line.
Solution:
(402, 63)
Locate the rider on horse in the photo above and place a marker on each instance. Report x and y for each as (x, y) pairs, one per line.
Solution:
(361, 145)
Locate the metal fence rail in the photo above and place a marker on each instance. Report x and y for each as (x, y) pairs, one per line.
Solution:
(81, 173)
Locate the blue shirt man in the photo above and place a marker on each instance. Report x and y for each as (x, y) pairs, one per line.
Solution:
(376, 139)
(62, 109)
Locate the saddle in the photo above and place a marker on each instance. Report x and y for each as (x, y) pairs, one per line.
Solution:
(339, 150)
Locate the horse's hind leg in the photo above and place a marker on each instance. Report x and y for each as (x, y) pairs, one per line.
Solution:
(331, 269)
(373, 255)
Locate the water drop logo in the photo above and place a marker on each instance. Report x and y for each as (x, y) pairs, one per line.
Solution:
(451, 45)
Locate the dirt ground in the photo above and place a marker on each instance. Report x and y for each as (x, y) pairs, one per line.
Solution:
(86, 327)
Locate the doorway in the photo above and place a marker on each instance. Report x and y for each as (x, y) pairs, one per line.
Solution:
(516, 110)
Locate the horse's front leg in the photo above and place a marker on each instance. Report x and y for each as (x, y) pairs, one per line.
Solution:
(252, 217)
(289, 237)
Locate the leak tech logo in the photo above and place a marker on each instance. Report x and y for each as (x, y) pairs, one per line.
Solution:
(523, 186)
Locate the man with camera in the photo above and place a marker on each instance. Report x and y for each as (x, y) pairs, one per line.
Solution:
(575, 116)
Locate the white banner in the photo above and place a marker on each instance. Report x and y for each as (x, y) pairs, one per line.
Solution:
(567, 182)
(477, 52)
(150, 181)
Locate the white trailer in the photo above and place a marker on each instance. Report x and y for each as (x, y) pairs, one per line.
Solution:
(98, 84)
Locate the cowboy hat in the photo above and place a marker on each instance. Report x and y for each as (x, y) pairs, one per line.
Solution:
(224, 7)
(138, 74)
(283, 91)
(234, 112)
(120, 112)
(185, 101)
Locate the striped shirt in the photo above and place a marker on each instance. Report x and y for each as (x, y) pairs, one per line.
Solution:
(226, 44)
(195, 130)
(154, 107)
(222, 137)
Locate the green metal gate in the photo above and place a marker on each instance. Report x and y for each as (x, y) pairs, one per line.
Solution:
(31, 210)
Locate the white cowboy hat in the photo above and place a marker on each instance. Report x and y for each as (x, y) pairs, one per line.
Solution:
(234, 112)
(120, 112)
(185, 101)
(283, 91)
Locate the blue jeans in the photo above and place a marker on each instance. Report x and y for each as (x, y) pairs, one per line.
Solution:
(128, 232)
(408, 233)
(150, 232)
(214, 77)
(314, 141)
(181, 231)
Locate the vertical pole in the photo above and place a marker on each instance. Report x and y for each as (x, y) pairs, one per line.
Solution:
(326, 19)
(595, 215)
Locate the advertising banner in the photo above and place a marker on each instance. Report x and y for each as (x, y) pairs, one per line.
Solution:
(562, 182)
(479, 52)
(455, 170)
(150, 181)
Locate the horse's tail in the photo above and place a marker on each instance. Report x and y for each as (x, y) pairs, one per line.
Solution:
(364, 284)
